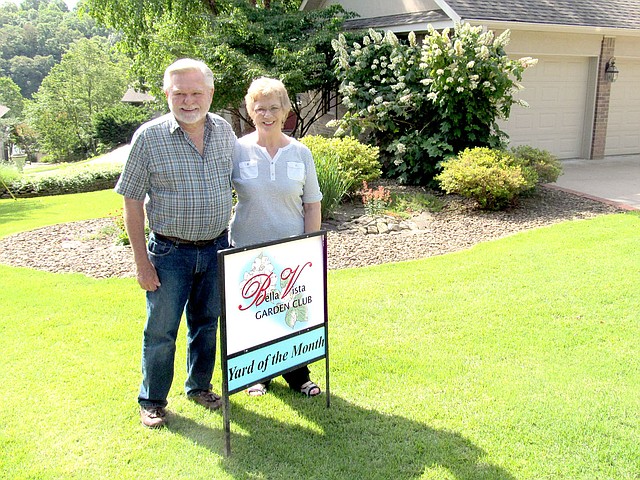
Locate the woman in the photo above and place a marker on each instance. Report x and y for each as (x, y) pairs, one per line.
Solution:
(278, 195)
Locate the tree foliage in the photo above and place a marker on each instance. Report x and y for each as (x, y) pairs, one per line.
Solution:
(10, 97)
(89, 78)
(423, 103)
(239, 39)
(28, 72)
(33, 37)
(116, 125)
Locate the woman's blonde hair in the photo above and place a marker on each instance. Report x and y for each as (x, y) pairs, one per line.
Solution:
(263, 87)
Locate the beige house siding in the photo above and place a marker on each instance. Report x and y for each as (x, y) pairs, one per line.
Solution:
(552, 43)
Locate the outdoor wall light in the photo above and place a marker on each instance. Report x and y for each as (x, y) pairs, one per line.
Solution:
(611, 71)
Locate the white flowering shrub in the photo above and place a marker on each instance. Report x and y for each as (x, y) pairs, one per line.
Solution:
(423, 103)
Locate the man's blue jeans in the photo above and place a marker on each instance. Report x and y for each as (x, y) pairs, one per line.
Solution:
(188, 276)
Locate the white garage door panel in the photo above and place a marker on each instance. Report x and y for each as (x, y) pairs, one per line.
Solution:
(547, 121)
(556, 91)
(573, 120)
(623, 125)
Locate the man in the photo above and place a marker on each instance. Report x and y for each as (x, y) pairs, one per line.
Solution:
(179, 169)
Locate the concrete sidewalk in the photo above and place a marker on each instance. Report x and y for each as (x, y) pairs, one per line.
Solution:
(614, 179)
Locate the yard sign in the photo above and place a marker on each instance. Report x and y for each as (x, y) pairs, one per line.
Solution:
(274, 312)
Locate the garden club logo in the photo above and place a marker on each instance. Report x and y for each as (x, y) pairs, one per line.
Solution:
(270, 291)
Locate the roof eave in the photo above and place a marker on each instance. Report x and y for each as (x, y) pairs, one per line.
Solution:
(310, 4)
(418, 27)
(415, 27)
(549, 27)
(450, 12)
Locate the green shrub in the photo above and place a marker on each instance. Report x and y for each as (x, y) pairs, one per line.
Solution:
(493, 178)
(116, 125)
(357, 162)
(546, 165)
(76, 180)
(408, 203)
(333, 183)
(118, 228)
(8, 173)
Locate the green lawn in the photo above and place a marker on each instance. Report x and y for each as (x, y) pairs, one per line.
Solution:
(27, 214)
(516, 359)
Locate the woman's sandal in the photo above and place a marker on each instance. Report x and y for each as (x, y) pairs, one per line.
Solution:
(310, 389)
(257, 390)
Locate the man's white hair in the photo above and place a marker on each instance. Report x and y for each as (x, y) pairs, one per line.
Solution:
(186, 65)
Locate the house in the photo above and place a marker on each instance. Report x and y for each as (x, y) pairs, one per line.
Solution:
(575, 111)
(3, 154)
(134, 97)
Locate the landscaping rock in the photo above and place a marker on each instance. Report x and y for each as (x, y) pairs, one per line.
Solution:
(354, 240)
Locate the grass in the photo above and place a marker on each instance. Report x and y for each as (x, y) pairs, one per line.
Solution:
(29, 213)
(70, 169)
(516, 359)
(98, 162)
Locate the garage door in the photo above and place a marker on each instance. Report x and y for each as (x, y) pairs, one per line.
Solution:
(556, 91)
(623, 126)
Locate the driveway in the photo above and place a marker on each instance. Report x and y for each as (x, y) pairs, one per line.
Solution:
(615, 179)
(117, 156)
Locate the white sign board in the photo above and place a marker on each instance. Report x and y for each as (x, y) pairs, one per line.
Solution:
(274, 310)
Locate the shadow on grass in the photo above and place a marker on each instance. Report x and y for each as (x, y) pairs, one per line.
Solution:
(10, 210)
(344, 441)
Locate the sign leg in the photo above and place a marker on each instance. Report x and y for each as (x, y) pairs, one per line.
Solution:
(227, 426)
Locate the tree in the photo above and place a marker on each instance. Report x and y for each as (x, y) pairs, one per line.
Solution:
(35, 35)
(13, 41)
(239, 39)
(9, 97)
(89, 78)
(28, 73)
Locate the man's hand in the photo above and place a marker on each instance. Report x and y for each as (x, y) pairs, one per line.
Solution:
(147, 276)
(134, 223)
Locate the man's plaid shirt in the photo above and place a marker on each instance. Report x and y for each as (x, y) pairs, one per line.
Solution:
(187, 195)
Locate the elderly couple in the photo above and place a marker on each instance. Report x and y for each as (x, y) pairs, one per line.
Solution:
(181, 170)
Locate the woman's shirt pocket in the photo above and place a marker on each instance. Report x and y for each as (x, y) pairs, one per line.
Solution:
(248, 170)
(295, 171)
